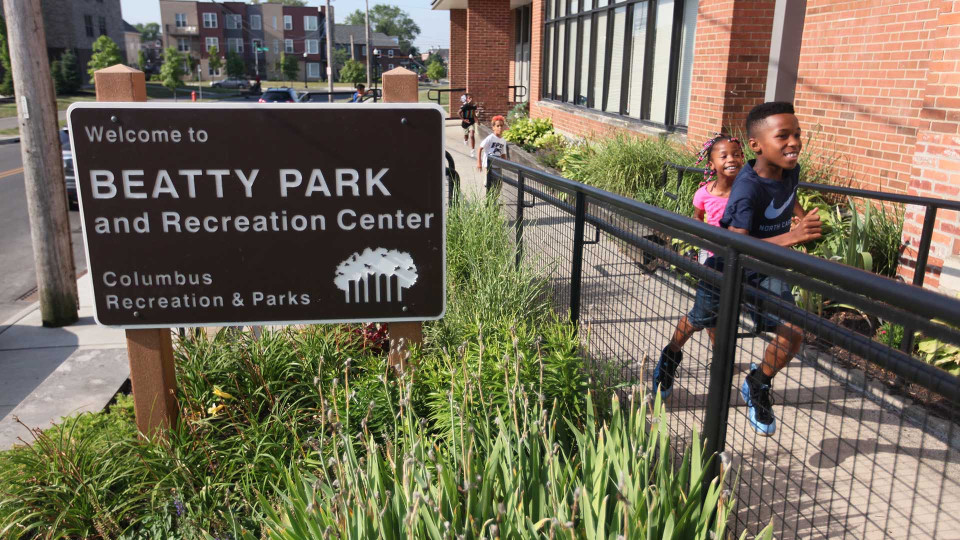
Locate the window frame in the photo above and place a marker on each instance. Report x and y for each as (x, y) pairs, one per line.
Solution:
(183, 44)
(310, 18)
(214, 23)
(179, 20)
(216, 43)
(290, 49)
(312, 46)
(234, 21)
(259, 23)
(88, 22)
(313, 65)
(102, 24)
(231, 41)
(288, 22)
(566, 91)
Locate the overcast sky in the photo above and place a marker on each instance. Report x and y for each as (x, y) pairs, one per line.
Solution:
(434, 25)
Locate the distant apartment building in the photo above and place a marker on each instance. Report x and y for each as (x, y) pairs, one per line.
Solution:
(388, 47)
(76, 24)
(259, 33)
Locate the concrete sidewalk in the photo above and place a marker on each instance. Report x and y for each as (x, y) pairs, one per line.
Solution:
(49, 373)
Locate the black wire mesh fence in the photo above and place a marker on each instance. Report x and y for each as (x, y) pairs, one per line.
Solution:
(866, 441)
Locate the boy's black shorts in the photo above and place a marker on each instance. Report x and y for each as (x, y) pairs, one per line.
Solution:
(707, 301)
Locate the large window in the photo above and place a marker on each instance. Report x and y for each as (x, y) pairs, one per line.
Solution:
(310, 23)
(213, 42)
(288, 22)
(255, 22)
(234, 22)
(209, 20)
(313, 46)
(624, 57)
(235, 45)
(180, 19)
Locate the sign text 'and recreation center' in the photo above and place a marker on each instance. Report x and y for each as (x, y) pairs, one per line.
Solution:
(207, 215)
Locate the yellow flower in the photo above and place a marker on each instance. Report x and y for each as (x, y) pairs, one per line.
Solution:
(212, 411)
(220, 393)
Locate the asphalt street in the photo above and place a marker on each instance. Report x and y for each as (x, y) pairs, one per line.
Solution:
(19, 279)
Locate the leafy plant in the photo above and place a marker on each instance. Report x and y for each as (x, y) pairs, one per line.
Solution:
(436, 71)
(505, 477)
(171, 72)
(525, 131)
(353, 72)
(551, 148)
(518, 112)
(890, 335)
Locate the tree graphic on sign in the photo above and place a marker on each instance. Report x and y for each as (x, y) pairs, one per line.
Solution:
(376, 274)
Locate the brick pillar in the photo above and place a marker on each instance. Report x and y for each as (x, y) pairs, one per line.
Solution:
(458, 56)
(488, 55)
(936, 164)
(729, 64)
(536, 49)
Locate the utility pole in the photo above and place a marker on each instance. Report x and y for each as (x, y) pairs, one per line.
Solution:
(330, 38)
(369, 50)
(353, 53)
(42, 166)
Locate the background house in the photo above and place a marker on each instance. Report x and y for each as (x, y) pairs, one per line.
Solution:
(259, 33)
(347, 35)
(75, 25)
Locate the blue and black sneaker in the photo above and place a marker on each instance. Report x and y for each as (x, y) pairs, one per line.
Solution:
(666, 371)
(759, 404)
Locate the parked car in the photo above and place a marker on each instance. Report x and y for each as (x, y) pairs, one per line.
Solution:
(73, 201)
(278, 95)
(231, 83)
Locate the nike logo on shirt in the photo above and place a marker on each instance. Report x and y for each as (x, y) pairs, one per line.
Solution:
(773, 212)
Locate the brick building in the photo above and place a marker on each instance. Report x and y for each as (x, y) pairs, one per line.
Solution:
(878, 78)
(75, 25)
(259, 33)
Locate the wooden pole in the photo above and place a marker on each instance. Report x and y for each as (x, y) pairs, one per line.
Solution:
(150, 351)
(400, 85)
(330, 38)
(42, 164)
(369, 47)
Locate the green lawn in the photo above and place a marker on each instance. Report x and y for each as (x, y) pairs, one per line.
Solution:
(8, 110)
(16, 131)
(444, 96)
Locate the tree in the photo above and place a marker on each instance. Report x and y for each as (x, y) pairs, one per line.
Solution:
(105, 54)
(215, 62)
(57, 74)
(149, 31)
(391, 21)
(353, 72)
(435, 57)
(289, 67)
(141, 60)
(6, 83)
(436, 71)
(70, 72)
(171, 72)
(340, 59)
(235, 65)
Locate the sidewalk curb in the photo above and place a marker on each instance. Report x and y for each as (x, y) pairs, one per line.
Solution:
(19, 316)
(10, 140)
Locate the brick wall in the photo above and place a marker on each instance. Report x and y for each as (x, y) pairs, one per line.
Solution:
(862, 73)
(935, 166)
(536, 49)
(729, 64)
(458, 55)
(488, 26)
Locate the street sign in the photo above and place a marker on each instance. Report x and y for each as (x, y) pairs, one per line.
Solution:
(223, 214)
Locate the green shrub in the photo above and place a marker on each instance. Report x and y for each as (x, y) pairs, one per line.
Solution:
(551, 147)
(506, 478)
(518, 112)
(525, 131)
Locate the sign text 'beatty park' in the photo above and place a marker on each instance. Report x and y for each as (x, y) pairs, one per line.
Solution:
(225, 215)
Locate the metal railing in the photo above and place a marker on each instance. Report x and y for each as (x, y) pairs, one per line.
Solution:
(519, 92)
(854, 455)
(438, 92)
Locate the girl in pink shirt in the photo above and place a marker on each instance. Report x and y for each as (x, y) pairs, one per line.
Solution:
(724, 158)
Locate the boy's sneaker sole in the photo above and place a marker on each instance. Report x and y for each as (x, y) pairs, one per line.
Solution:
(764, 430)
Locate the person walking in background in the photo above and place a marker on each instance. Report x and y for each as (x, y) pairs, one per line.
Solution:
(468, 121)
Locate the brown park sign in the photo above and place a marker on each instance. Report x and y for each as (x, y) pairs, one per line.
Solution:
(268, 213)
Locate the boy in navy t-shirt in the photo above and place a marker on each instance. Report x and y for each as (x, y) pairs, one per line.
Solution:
(762, 204)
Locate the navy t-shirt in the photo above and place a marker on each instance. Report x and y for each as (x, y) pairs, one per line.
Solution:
(761, 205)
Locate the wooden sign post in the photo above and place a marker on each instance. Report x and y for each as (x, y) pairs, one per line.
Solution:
(150, 350)
(402, 86)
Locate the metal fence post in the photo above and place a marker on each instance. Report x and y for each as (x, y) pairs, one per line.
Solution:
(519, 219)
(923, 250)
(576, 271)
(721, 368)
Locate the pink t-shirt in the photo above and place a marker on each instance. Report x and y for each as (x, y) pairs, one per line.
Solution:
(712, 205)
